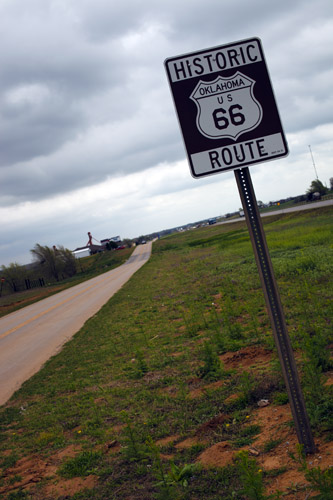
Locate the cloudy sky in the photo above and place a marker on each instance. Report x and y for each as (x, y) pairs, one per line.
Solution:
(89, 139)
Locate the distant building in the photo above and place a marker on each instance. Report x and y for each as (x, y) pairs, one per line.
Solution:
(81, 252)
(105, 241)
(87, 250)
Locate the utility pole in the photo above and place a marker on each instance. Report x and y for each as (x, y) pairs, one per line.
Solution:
(314, 165)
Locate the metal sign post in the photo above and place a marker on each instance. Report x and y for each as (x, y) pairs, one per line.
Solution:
(274, 306)
(229, 120)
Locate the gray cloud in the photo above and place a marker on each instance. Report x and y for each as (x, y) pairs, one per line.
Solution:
(84, 96)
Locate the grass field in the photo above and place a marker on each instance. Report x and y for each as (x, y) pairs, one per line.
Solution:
(157, 395)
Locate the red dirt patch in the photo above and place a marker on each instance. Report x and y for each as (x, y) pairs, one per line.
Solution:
(33, 469)
(196, 390)
(200, 391)
(177, 354)
(244, 358)
(167, 440)
(274, 422)
(71, 486)
(188, 443)
(171, 390)
(212, 424)
(218, 455)
(231, 398)
(119, 427)
(68, 452)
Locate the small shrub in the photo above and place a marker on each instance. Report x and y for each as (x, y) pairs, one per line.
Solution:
(135, 449)
(212, 369)
(250, 476)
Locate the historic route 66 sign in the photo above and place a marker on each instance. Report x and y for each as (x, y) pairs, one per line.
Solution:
(226, 107)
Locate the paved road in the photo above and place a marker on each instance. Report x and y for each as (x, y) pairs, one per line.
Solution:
(30, 336)
(307, 206)
(298, 208)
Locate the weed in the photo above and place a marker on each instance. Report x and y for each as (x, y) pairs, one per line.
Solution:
(320, 480)
(316, 350)
(166, 489)
(180, 475)
(280, 398)
(141, 367)
(245, 435)
(192, 322)
(184, 406)
(242, 441)
(251, 478)
(82, 465)
(9, 461)
(15, 479)
(212, 368)
(191, 453)
(49, 438)
(271, 444)
(135, 449)
(275, 472)
(220, 341)
(18, 495)
(318, 397)
(172, 479)
(246, 385)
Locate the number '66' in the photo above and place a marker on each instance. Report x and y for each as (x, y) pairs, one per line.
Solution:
(235, 117)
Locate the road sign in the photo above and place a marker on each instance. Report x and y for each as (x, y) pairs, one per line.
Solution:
(229, 120)
(226, 107)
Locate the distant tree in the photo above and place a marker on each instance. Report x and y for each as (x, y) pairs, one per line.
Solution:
(55, 261)
(13, 273)
(66, 261)
(317, 187)
(331, 183)
(47, 259)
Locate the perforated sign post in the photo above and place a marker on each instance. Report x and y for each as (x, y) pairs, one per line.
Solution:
(229, 120)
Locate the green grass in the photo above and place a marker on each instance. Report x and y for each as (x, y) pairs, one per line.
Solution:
(82, 465)
(126, 376)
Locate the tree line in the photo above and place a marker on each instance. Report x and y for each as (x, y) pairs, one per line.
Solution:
(318, 187)
(54, 263)
(58, 263)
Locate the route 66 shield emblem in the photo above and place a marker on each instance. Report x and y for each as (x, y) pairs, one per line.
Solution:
(226, 107)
